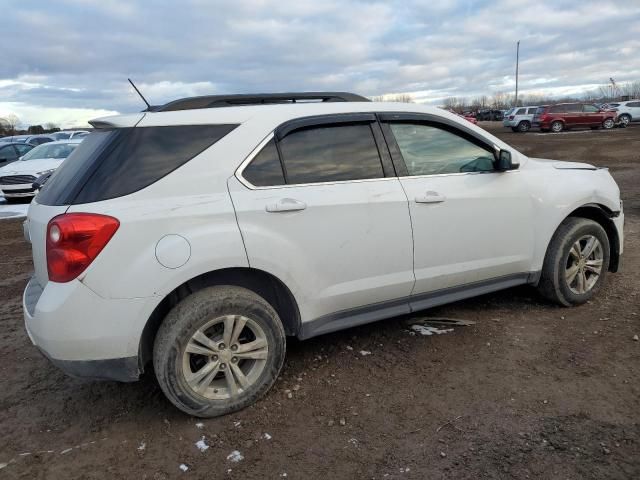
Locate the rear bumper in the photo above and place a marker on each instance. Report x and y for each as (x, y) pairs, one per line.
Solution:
(84, 334)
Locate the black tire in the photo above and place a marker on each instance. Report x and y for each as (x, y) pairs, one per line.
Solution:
(557, 126)
(553, 284)
(196, 311)
(524, 126)
(595, 128)
(624, 119)
(514, 129)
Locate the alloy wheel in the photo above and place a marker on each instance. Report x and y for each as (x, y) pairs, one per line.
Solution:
(584, 264)
(225, 357)
(556, 127)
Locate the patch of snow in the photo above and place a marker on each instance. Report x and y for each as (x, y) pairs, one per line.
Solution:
(364, 353)
(235, 456)
(266, 436)
(424, 330)
(200, 425)
(183, 467)
(283, 474)
(66, 450)
(237, 424)
(202, 445)
(142, 446)
(349, 347)
(2, 465)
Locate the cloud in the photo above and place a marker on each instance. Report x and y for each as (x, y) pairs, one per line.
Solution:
(76, 55)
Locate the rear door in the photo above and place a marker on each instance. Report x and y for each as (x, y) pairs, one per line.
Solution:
(319, 206)
(591, 115)
(574, 116)
(471, 224)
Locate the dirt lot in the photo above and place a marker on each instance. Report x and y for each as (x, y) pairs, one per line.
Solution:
(530, 391)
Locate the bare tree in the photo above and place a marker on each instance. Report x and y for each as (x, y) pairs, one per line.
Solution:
(9, 123)
(51, 127)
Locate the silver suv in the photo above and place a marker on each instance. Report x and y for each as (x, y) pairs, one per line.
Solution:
(519, 118)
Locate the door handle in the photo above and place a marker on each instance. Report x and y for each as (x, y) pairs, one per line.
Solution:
(286, 205)
(430, 197)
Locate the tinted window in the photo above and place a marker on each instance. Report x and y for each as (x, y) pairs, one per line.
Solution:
(541, 110)
(22, 149)
(52, 150)
(521, 111)
(531, 111)
(574, 107)
(328, 154)
(558, 109)
(633, 104)
(590, 108)
(265, 168)
(429, 150)
(8, 153)
(113, 163)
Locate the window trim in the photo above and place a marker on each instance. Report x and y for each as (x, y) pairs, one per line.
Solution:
(431, 120)
(303, 123)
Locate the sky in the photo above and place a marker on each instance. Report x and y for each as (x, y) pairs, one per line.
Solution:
(68, 61)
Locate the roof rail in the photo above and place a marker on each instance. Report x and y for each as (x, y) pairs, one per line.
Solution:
(214, 101)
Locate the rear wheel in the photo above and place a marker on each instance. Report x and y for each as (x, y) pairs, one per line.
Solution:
(576, 262)
(557, 127)
(524, 126)
(608, 123)
(218, 351)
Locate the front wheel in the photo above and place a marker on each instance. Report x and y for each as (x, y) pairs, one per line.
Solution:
(524, 127)
(218, 350)
(576, 262)
(608, 123)
(625, 119)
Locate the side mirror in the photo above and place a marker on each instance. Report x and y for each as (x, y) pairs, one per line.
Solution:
(504, 161)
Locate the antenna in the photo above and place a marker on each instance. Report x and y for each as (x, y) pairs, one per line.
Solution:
(138, 92)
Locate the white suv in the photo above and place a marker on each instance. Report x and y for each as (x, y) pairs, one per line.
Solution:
(519, 119)
(198, 235)
(628, 111)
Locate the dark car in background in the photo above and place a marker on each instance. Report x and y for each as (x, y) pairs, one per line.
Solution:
(12, 151)
(562, 116)
(490, 115)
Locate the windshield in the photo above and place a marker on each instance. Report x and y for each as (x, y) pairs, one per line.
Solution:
(48, 150)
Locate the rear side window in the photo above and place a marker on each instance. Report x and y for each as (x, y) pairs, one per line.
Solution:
(113, 163)
(265, 169)
(531, 111)
(330, 154)
(558, 109)
(633, 104)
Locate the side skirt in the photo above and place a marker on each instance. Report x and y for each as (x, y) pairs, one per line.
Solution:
(379, 311)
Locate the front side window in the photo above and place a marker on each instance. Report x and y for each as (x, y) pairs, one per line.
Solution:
(558, 109)
(633, 104)
(521, 111)
(330, 154)
(429, 150)
(22, 149)
(8, 153)
(590, 109)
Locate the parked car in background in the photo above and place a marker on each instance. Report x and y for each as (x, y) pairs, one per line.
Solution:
(36, 140)
(16, 138)
(69, 134)
(519, 119)
(490, 115)
(563, 116)
(16, 180)
(10, 152)
(628, 111)
(324, 215)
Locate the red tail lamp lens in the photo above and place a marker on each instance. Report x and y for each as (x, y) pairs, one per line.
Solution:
(74, 240)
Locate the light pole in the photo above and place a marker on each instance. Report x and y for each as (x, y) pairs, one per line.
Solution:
(517, 65)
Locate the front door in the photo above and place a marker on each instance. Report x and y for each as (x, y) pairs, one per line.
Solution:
(334, 226)
(471, 224)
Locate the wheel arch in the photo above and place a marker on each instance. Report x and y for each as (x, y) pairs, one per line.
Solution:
(602, 215)
(264, 284)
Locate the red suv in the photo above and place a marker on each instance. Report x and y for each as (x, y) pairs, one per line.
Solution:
(567, 115)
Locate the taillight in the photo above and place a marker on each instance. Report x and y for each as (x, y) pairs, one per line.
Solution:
(511, 117)
(74, 240)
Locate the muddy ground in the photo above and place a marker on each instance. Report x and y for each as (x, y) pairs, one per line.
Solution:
(530, 391)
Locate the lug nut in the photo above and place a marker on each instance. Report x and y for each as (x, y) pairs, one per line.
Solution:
(223, 366)
(234, 347)
(221, 346)
(214, 358)
(234, 359)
